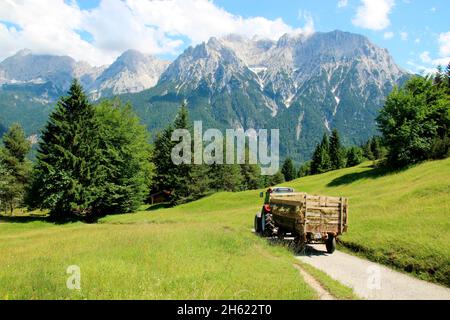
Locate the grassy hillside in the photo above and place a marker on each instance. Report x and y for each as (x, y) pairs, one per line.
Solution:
(206, 250)
(401, 219)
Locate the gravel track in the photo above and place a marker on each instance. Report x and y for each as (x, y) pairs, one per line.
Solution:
(371, 280)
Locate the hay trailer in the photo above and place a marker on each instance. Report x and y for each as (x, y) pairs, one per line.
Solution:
(306, 218)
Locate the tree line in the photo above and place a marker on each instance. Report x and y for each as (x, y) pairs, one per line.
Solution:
(186, 182)
(90, 161)
(96, 160)
(414, 124)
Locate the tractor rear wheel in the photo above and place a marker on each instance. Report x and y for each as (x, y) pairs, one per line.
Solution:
(267, 224)
(257, 224)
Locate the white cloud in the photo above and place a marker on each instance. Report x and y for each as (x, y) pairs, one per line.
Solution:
(157, 27)
(308, 28)
(441, 61)
(388, 35)
(430, 62)
(425, 57)
(373, 14)
(420, 69)
(444, 44)
(404, 36)
(342, 3)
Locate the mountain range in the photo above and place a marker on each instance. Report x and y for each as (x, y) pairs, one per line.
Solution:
(303, 85)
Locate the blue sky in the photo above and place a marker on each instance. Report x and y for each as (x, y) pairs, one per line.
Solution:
(416, 32)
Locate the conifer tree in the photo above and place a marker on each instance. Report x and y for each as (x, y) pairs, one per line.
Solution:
(126, 157)
(367, 150)
(14, 168)
(288, 170)
(181, 174)
(177, 179)
(337, 156)
(354, 156)
(164, 166)
(376, 148)
(277, 178)
(231, 178)
(321, 158)
(304, 170)
(251, 173)
(68, 173)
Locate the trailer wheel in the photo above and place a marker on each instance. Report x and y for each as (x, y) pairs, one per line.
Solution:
(331, 244)
(257, 224)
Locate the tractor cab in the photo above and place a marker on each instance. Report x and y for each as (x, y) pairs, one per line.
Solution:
(263, 219)
(277, 190)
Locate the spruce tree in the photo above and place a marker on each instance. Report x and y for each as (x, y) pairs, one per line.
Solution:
(181, 174)
(367, 150)
(200, 181)
(68, 173)
(288, 170)
(337, 156)
(304, 170)
(354, 156)
(125, 157)
(177, 179)
(376, 148)
(14, 168)
(164, 166)
(231, 178)
(251, 174)
(321, 158)
(277, 178)
(447, 77)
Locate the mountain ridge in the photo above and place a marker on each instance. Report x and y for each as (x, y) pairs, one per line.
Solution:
(303, 85)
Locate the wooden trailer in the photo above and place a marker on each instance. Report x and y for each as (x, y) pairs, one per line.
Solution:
(308, 218)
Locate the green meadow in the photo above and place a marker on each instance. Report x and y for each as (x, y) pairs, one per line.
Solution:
(207, 250)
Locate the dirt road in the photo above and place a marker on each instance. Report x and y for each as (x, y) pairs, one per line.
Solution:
(371, 280)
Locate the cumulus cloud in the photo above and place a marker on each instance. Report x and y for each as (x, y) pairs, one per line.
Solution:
(425, 57)
(404, 36)
(342, 3)
(442, 58)
(156, 27)
(444, 50)
(388, 35)
(373, 14)
(444, 44)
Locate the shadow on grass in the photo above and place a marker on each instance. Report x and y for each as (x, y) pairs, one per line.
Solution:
(40, 218)
(158, 206)
(23, 219)
(374, 173)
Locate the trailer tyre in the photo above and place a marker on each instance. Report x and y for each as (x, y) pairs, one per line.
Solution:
(257, 224)
(331, 244)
